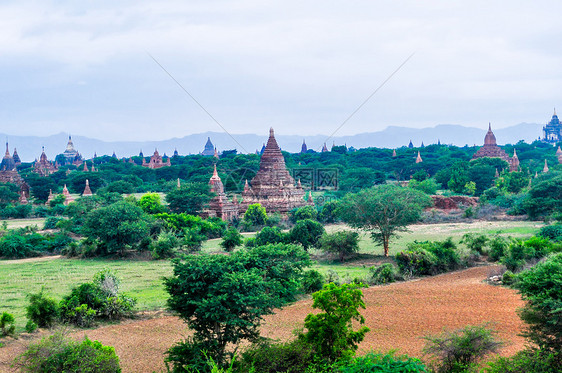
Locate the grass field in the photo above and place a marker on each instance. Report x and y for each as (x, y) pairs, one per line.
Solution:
(21, 223)
(143, 279)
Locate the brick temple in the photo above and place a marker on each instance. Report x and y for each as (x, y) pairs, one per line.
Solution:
(492, 150)
(273, 186)
(220, 206)
(156, 161)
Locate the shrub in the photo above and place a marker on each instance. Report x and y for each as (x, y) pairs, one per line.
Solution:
(265, 357)
(378, 362)
(99, 298)
(383, 274)
(460, 350)
(51, 222)
(498, 246)
(255, 215)
(342, 243)
(416, 261)
(30, 326)
(58, 353)
(528, 361)
(164, 246)
(231, 239)
(306, 232)
(302, 213)
(269, 235)
(507, 278)
(42, 309)
(476, 243)
(7, 324)
(312, 281)
(552, 232)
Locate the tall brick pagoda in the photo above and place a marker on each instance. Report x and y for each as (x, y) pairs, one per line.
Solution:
(492, 150)
(273, 186)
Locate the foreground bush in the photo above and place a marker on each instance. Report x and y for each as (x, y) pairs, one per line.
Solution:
(341, 243)
(527, 361)
(7, 324)
(460, 350)
(378, 362)
(97, 299)
(58, 353)
(383, 274)
(42, 309)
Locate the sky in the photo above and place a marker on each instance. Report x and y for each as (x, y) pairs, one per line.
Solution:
(302, 67)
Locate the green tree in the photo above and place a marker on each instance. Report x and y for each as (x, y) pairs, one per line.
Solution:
(545, 197)
(191, 198)
(302, 213)
(383, 211)
(306, 232)
(331, 332)
(231, 239)
(224, 298)
(117, 227)
(541, 288)
(459, 177)
(151, 203)
(342, 243)
(255, 215)
(8, 193)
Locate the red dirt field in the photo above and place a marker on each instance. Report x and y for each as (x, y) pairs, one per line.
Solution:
(399, 315)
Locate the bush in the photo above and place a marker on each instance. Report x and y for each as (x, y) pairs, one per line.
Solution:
(269, 235)
(51, 222)
(460, 350)
(30, 326)
(378, 362)
(189, 355)
(383, 274)
(58, 353)
(265, 357)
(312, 281)
(342, 243)
(416, 262)
(552, 232)
(164, 246)
(476, 243)
(231, 239)
(99, 298)
(302, 213)
(529, 361)
(498, 246)
(7, 324)
(306, 232)
(507, 278)
(255, 215)
(42, 310)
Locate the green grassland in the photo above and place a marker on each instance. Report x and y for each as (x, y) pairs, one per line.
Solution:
(143, 279)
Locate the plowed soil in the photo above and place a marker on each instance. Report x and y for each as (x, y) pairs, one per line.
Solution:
(399, 315)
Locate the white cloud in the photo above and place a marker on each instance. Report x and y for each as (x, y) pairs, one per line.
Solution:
(302, 66)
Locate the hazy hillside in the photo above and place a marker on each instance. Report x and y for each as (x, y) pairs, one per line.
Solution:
(29, 147)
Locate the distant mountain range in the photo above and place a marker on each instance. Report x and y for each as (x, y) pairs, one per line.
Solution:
(29, 147)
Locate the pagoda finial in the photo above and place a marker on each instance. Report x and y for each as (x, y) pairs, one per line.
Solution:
(545, 169)
(489, 126)
(554, 115)
(271, 132)
(215, 173)
(7, 151)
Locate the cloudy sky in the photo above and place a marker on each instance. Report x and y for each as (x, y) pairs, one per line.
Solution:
(303, 67)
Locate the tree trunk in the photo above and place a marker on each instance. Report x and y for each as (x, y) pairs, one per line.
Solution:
(385, 245)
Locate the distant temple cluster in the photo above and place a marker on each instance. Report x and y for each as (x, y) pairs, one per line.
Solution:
(273, 186)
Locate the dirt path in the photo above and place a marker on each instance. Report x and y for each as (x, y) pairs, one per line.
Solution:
(399, 315)
(27, 260)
